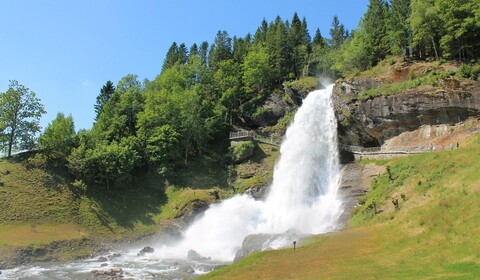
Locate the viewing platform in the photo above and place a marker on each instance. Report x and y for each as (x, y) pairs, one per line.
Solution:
(244, 135)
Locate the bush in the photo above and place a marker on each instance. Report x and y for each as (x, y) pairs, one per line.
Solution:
(38, 161)
(307, 84)
(241, 151)
(468, 71)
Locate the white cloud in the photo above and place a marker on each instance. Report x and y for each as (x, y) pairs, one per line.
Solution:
(86, 83)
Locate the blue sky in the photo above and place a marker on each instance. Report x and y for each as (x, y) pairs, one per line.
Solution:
(65, 51)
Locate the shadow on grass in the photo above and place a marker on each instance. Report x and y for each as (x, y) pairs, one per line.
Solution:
(204, 172)
(137, 204)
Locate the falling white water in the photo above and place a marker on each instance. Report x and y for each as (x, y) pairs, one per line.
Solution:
(302, 196)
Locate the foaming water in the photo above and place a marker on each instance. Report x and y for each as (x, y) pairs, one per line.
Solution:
(302, 199)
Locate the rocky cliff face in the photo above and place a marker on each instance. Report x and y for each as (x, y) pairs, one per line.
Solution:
(370, 122)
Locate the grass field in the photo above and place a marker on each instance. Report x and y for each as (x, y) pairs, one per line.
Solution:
(434, 234)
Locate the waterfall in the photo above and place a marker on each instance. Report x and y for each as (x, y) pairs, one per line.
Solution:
(302, 196)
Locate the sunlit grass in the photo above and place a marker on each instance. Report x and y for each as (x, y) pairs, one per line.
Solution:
(434, 234)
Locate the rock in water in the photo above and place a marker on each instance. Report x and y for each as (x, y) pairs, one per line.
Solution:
(146, 250)
(194, 256)
(114, 273)
(102, 259)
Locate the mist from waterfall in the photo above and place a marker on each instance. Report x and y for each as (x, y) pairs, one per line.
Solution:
(302, 196)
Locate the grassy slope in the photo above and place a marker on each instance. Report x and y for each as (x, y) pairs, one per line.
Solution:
(38, 206)
(435, 234)
(400, 76)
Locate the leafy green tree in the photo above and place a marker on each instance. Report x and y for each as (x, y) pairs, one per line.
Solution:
(257, 70)
(59, 138)
(461, 28)
(228, 85)
(426, 26)
(20, 112)
(354, 55)
(111, 164)
(163, 148)
(106, 93)
(119, 115)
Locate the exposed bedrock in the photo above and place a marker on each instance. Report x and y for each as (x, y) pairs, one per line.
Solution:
(370, 122)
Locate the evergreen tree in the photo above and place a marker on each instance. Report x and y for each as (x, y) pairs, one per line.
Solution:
(172, 57)
(399, 31)
(337, 33)
(376, 30)
(193, 50)
(182, 54)
(299, 47)
(277, 45)
(261, 33)
(106, 93)
(318, 40)
(221, 49)
(203, 53)
(240, 48)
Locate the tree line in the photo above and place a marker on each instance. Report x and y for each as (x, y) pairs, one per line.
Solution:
(204, 89)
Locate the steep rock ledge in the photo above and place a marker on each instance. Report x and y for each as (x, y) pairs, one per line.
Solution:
(371, 122)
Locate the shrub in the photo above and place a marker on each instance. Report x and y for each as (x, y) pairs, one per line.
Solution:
(468, 71)
(241, 151)
(38, 161)
(307, 84)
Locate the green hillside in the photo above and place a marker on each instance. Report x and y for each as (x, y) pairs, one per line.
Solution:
(39, 203)
(434, 234)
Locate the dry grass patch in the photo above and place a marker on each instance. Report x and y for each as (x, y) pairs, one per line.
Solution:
(21, 235)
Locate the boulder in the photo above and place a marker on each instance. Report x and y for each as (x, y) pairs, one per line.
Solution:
(145, 250)
(195, 256)
(102, 259)
(260, 242)
(114, 272)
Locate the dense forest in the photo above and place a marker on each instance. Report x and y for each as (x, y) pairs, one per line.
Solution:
(204, 89)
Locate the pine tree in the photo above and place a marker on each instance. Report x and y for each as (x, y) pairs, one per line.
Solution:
(106, 92)
(171, 58)
(182, 54)
(399, 31)
(318, 40)
(203, 53)
(261, 33)
(375, 30)
(337, 33)
(221, 49)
